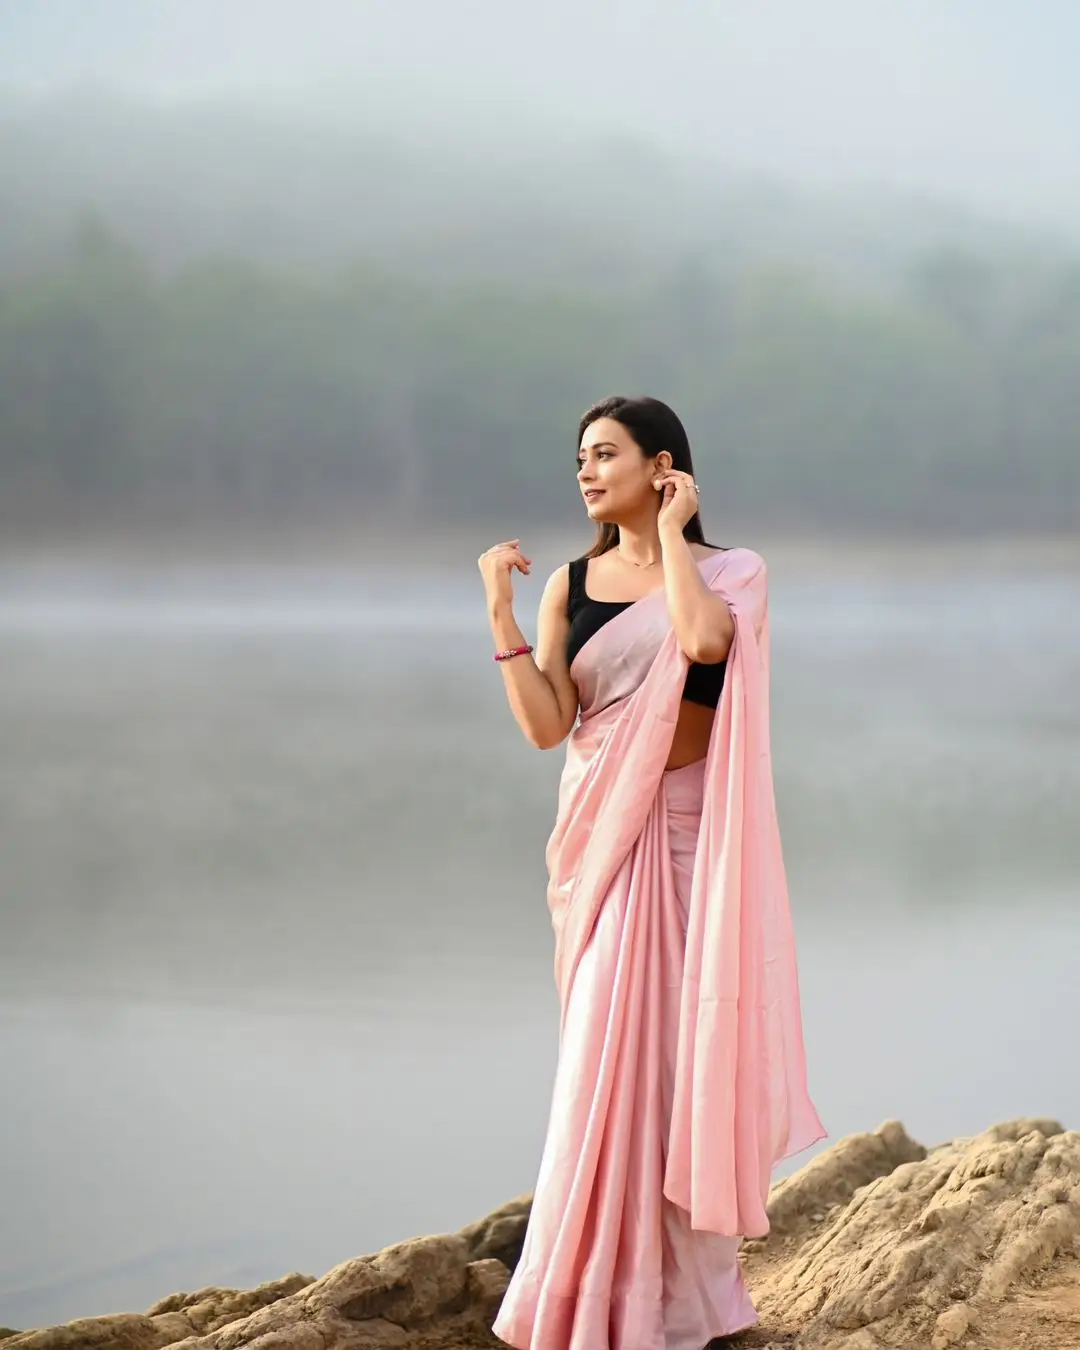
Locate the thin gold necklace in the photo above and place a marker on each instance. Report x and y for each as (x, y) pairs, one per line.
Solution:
(622, 555)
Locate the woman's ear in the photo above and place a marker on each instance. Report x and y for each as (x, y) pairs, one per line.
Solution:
(663, 460)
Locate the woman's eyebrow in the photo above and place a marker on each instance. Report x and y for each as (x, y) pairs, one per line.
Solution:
(600, 445)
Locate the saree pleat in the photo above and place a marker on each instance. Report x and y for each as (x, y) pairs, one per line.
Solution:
(681, 1076)
(608, 1261)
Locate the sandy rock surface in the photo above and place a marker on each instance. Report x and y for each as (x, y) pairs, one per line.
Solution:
(877, 1244)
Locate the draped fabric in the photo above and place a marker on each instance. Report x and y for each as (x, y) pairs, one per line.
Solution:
(681, 1078)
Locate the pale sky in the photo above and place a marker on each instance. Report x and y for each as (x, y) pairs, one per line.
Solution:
(977, 100)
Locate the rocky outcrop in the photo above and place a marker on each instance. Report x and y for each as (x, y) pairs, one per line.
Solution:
(178, 1317)
(973, 1241)
(876, 1244)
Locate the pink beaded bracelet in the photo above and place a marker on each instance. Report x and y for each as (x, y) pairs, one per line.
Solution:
(511, 651)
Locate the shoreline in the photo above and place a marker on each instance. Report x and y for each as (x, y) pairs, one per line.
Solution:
(320, 544)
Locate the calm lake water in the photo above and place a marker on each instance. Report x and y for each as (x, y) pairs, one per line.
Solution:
(275, 958)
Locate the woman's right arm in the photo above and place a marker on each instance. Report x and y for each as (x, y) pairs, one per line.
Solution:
(542, 696)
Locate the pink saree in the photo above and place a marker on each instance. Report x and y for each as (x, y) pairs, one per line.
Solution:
(681, 1076)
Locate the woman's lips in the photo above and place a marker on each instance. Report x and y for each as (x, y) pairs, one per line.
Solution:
(593, 493)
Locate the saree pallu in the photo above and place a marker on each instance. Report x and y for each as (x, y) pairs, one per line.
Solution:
(681, 1076)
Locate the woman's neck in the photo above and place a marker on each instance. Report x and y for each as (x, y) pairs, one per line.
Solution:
(639, 542)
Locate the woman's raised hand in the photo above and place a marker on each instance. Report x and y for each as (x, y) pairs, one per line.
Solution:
(679, 499)
(495, 567)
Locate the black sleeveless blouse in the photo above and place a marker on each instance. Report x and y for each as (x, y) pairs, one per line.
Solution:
(587, 616)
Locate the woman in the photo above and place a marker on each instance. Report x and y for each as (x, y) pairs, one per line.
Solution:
(681, 1076)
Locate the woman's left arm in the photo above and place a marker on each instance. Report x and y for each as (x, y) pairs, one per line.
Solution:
(701, 618)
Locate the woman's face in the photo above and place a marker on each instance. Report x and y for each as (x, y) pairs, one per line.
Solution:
(614, 476)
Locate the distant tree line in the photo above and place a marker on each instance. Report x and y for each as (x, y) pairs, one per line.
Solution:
(235, 390)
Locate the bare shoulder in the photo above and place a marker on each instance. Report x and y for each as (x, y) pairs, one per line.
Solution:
(556, 598)
(557, 586)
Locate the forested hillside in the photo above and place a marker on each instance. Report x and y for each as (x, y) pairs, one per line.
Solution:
(213, 314)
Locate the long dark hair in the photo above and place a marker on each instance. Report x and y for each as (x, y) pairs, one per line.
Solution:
(655, 427)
